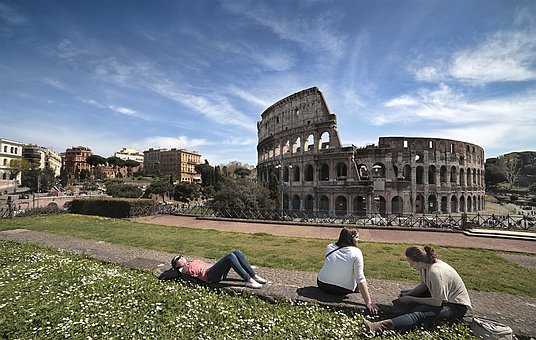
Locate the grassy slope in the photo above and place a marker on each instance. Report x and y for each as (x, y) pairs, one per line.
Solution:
(481, 269)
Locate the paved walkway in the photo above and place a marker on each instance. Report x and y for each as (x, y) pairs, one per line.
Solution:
(518, 312)
(331, 233)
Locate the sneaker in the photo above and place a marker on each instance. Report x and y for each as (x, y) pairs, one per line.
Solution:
(253, 284)
(260, 279)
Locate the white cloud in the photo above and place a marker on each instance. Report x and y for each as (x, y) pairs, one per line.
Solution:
(123, 110)
(248, 96)
(313, 33)
(505, 56)
(11, 16)
(118, 109)
(162, 142)
(401, 101)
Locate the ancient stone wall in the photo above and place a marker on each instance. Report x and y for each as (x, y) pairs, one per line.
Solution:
(299, 151)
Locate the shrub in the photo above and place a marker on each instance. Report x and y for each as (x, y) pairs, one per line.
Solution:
(243, 194)
(123, 190)
(116, 208)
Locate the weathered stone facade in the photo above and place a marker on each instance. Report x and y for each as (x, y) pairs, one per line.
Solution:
(299, 150)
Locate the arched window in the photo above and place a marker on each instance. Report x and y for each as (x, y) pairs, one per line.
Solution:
(285, 174)
(309, 143)
(286, 147)
(309, 203)
(462, 177)
(324, 204)
(363, 172)
(380, 200)
(397, 205)
(462, 204)
(474, 204)
(420, 175)
(296, 147)
(453, 204)
(277, 151)
(407, 172)
(444, 204)
(432, 174)
(342, 170)
(453, 175)
(432, 204)
(443, 174)
(341, 206)
(324, 172)
(469, 204)
(378, 170)
(5, 161)
(419, 204)
(296, 177)
(474, 177)
(296, 202)
(325, 140)
(360, 206)
(468, 178)
(4, 176)
(309, 173)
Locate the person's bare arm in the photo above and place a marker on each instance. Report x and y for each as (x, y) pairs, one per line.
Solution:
(415, 291)
(363, 289)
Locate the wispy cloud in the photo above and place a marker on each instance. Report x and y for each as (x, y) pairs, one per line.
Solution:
(55, 83)
(248, 97)
(164, 142)
(311, 32)
(505, 56)
(11, 16)
(118, 109)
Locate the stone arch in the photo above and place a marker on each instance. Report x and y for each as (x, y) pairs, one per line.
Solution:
(407, 172)
(420, 175)
(277, 151)
(325, 140)
(432, 204)
(296, 174)
(474, 204)
(286, 174)
(286, 147)
(342, 170)
(378, 170)
(462, 177)
(463, 206)
(309, 202)
(478, 201)
(341, 206)
(469, 204)
(324, 172)
(397, 205)
(443, 174)
(4, 176)
(469, 177)
(309, 173)
(474, 177)
(296, 202)
(52, 205)
(270, 153)
(363, 171)
(360, 206)
(382, 206)
(323, 203)
(296, 146)
(419, 204)
(309, 143)
(432, 174)
(454, 204)
(453, 175)
(444, 204)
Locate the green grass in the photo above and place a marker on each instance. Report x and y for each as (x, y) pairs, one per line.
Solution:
(46, 294)
(480, 269)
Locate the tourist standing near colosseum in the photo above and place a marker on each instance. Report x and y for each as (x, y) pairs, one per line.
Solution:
(342, 272)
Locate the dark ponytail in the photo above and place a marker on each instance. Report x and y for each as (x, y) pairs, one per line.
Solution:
(417, 255)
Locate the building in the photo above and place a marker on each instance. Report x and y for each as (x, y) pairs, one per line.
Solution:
(130, 154)
(40, 157)
(10, 155)
(299, 150)
(75, 160)
(151, 161)
(181, 164)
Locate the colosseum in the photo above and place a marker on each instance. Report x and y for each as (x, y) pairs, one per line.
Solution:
(301, 157)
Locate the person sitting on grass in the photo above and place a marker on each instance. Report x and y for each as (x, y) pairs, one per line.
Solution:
(441, 295)
(218, 271)
(342, 271)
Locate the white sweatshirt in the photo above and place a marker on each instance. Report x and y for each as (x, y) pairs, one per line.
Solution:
(343, 267)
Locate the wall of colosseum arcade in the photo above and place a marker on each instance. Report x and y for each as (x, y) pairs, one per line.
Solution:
(301, 156)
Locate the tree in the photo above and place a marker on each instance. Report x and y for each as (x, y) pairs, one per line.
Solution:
(130, 163)
(511, 167)
(95, 160)
(207, 173)
(159, 187)
(115, 161)
(242, 172)
(123, 190)
(241, 194)
(186, 192)
(17, 166)
(38, 180)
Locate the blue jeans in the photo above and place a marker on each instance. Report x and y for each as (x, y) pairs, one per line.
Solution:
(236, 260)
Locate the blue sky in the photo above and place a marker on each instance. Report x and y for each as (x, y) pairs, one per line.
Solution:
(197, 74)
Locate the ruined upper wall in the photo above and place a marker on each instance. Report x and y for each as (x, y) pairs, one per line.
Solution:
(301, 109)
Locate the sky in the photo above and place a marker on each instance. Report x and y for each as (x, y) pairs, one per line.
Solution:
(198, 74)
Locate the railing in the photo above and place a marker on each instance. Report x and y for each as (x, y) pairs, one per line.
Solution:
(415, 221)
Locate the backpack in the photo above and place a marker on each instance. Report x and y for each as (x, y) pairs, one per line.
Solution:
(490, 329)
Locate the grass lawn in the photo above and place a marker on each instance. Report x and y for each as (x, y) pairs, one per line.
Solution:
(481, 269)
(46, 294)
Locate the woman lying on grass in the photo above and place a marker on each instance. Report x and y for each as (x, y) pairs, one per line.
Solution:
(441, 295)
(218, 271)
(342, 272)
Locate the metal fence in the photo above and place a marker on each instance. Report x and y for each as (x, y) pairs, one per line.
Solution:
(430, 221)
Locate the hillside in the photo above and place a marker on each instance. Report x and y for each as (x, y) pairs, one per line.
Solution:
(496, 172)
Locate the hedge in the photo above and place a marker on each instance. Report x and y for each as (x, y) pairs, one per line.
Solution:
(109, 207)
